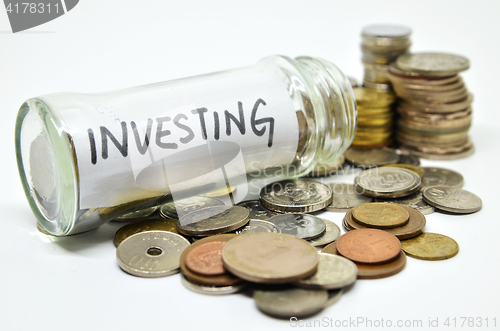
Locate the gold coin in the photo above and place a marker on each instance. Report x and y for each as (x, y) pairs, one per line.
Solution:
(370, 111)
(221, 192)
(430, 246)
(417, 170)
(147, 225)
(373, 97)
(380, 215)
(375, 121)
(272, 258)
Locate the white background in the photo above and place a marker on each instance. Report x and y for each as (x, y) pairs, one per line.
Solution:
(75, 283)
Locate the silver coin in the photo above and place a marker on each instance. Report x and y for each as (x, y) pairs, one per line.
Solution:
(334, 296)
(332, 233)
(288, 302)
(303, 226)
(386, 31)
(257, 212)
(333, 272)
(387, 182)
(410, 159)
(414, 201)
(258, 226)
(212, 289)
(368, 158)
(439, 176)
(213, 220)
(322, 170)
(433, 64)
(452, 199)
(151, 253)
(345, 197)
(141, 213)
(170, 210)
(295, 196)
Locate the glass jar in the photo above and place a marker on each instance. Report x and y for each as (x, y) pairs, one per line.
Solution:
(85, 159)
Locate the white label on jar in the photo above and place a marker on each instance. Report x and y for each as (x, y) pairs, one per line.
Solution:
(181, 137)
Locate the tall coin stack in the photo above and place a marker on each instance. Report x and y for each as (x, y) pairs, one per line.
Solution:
(434, 105)
(382, 44)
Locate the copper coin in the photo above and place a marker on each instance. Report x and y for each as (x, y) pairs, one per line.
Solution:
(206, 258)
(369, 246)
(412, 229)
(225, 279)
(380, 215)
(373, 271)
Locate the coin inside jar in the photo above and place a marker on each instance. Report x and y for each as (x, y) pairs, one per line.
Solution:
(206, 258)
(302, 226)
(380, 215)
(369, 246)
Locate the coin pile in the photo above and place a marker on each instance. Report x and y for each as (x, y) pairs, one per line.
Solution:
(375, 117)
(382, 44)
(434, 105)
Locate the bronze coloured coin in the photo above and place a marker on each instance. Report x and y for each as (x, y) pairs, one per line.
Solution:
(272, 258)
(206, 259)
(373, 271)
(412, 229)
(369, 246)
(141, 226)
(430, 246)
(225, 279)
(380, 215)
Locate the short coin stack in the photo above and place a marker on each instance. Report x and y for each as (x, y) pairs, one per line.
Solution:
(434, 110)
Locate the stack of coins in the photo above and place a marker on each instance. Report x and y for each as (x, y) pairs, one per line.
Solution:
(434, 110)
(382, 44)
(375, 117)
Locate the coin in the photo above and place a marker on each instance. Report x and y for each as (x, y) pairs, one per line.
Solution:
(371, 157)
(142, 226)
(414, 201)
(303, 226)
(452, 199)
(373, 271)
(430, 246)
(225, 279)
(331, 233)
(295, 196)
(329, 169)
(257, 212)
(206, 259)
(380, 215)
(445, 157)
(369, 246)
(273, 258)
(412, 229)
(221, 192)
(439, 176)
(386, 31)
(387, 182)
(413, 168)
(169, 210)
(290, 302)
(433, 64)
(213, 220)
(367, 97)
(151, 253)
(345, 197)
(138, 214)
(258, 226)
(212, 289)
(333, 272)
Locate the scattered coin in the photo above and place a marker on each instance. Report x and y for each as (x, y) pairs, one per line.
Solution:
(380, 215)
(413, 168)
(303, 226)
(273, 258)
(345, 197)
(151, 253)
(295, 196)
(332, 233)
(373, 271)
(452, 199)
(333, 272)
(169, 210)
(138, 214)
(212, 289)
(412, 229)
(213, 220)
(258, 226)
(141, 226)
(387, 182)
(290, 302)
(329, 169)
(369, 246)
(206, 259)
(371, 157)
(430, 246)
(257, 212)
(414, 201)
(439, 176)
